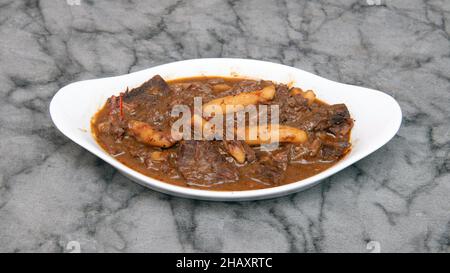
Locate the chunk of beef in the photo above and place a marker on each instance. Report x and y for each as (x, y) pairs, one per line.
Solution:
(321, 146)
(131, 102)
(113, 125)
(270, 167)
(149, 103)
(245, 86)
(249, 152)
(156, 86)
(332, 147)
(333, 118)
(334, 151)
(340, 121)
(202, 164)
(291, 106)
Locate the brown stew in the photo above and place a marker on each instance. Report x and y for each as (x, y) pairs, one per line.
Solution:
(134, 126)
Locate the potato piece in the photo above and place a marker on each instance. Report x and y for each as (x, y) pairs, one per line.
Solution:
(309, 94)
(221, 87)
(158, 156)
(243, 99)
(236, 150)
(296, 91)
(268, 135)
(146, 134)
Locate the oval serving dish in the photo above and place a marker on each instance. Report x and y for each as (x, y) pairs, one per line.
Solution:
(377, 116)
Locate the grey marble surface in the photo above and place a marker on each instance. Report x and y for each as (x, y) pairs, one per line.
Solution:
(53, 192)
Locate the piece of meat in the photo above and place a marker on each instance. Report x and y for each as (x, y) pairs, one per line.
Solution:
(156, 86)
(249, 152)
(202, 164)
(120, 108)
(113, 125)
(339, 119)
(291, 105)
(332, 152)
(314, 147)
(270, 168)
(334, 119)
(332, 147)
(331, 116)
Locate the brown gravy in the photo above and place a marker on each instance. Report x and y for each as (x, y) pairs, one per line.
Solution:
(328, 128)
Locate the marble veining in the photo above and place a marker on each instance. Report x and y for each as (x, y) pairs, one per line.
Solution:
(53, 192)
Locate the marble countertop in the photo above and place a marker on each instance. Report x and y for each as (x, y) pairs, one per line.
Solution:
(56, 196)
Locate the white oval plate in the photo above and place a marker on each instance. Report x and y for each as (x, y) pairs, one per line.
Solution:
(377, 116)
